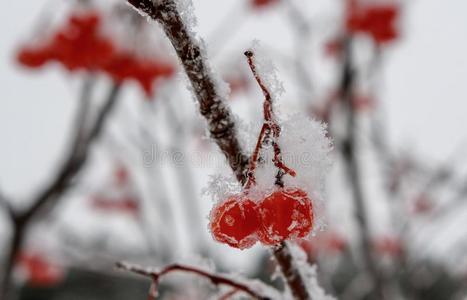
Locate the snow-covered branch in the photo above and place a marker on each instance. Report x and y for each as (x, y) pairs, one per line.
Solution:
(216, 279)
(205, 85)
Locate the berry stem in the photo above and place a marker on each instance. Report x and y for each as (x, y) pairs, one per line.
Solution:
(270, 125)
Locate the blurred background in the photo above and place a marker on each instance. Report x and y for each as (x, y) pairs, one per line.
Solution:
(104, 156)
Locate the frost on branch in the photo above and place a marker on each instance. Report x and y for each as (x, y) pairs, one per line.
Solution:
(251, 287)
(267, 71)
(221, 187)
(308, 273)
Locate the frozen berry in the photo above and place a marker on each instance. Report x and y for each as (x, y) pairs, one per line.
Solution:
(285, 214)
(235, 222)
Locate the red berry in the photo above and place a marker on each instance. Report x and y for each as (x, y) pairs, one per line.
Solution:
(32, 57)
(285, 214)
(263, 3)
(40, 272)
(235, 222)
(376, 20)
(388, 245)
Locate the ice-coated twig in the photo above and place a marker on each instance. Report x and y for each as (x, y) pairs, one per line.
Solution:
(216, 279)
(212, 106)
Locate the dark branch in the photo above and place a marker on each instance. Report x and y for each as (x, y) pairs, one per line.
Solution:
(76, 159)
(5, 202)
(292, 275)
(349, 152)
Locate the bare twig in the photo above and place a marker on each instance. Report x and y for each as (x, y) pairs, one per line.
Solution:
(229, 294)
(216, 279)
(76, 159)
(5, 202)
(349, 152)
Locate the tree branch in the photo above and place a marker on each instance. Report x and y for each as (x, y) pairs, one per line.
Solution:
(349, 149)
(291, 274)
(211, 103)
(76, 159)
(216, 279)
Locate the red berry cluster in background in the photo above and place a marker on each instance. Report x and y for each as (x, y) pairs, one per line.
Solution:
(39, 271)
(377, 20)
(329, 243)
(129, 205)
(388, 245)
(125, 203)
(262, 3)
(240, 222)
(79, 45)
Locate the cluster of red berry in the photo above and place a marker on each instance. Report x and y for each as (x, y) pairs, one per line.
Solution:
(79, 45)
(284, 214)
(376, 20)
(38, 270)
(127, 203)
(262, 3)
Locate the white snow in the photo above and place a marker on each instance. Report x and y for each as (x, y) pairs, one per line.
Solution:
(306, 149)
(308, 273)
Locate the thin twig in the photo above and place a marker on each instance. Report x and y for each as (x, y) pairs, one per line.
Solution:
(270, 125)
(216, 279)
(5, 202)
(229, 294)
(349, 151)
